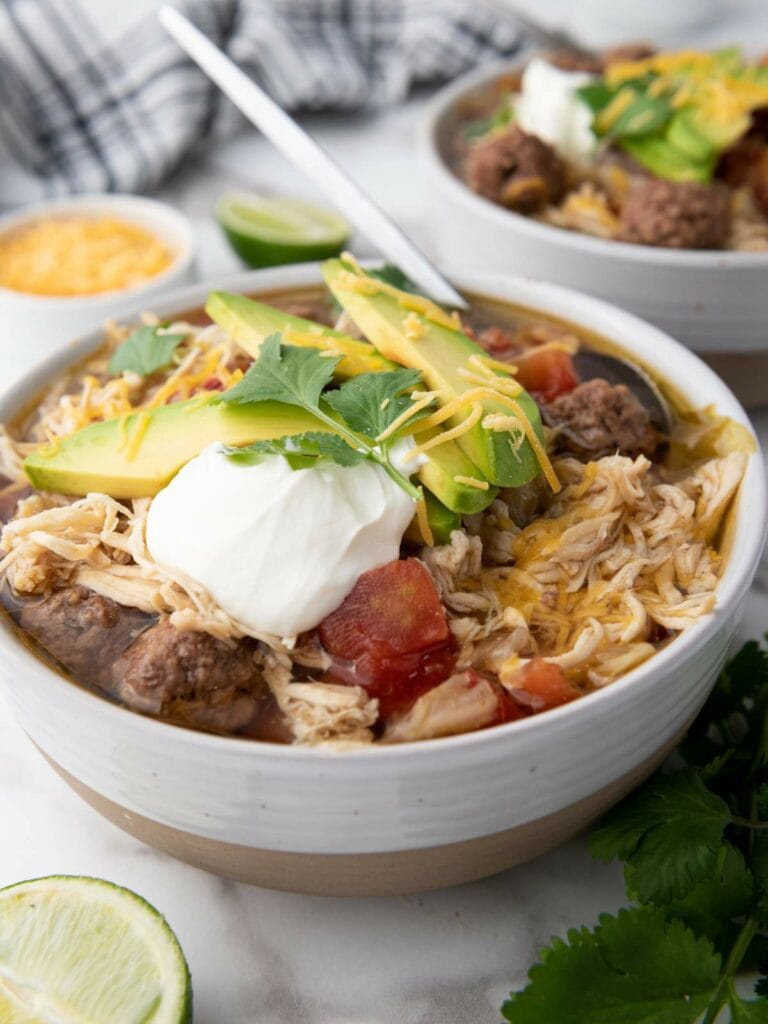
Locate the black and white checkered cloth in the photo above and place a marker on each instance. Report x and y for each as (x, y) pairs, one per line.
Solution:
(95, 96)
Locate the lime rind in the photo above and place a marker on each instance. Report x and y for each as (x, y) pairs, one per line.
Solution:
(265, 231)
(81, 949)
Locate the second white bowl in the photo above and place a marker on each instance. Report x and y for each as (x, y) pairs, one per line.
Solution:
(711, 301)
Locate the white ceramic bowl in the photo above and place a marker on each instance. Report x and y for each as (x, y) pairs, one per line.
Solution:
(35, 325)
(710, 301)
(393, 819)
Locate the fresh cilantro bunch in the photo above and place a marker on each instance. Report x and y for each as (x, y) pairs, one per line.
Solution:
(356, 413)
(694, 842)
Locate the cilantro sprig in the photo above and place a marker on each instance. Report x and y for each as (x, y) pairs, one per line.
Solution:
(144, 351)
(356, 413)
(694, 842)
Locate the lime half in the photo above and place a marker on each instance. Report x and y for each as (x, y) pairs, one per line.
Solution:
(265, 231)
(83, 951)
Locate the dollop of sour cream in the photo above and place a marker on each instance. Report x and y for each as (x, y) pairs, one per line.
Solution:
(277, 548)
(549, 108)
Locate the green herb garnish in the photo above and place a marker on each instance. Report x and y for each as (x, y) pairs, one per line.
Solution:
(357, 412)
(502, 117)
(390, 274)
(144, 351)
(695, 848)
(371, 402)
(301, 451)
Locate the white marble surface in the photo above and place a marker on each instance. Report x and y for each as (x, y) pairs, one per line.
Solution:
(266, 957)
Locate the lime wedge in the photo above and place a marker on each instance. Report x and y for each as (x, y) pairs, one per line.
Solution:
(265, 232)
(83, 951)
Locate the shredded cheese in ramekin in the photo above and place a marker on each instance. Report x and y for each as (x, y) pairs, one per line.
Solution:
(79, 256)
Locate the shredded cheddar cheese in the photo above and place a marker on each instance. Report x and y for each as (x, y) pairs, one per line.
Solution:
(413, 328)
(134, 443)
(420, 401)
(471, 481)
(447, 435)
(357, 280)
(422, 521)
(79, 256)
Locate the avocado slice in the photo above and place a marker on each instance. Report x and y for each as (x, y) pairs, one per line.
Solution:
(442, 522)
(665, 160)
(439, 351)
(249, 322)
(137, 455)
(683, 134)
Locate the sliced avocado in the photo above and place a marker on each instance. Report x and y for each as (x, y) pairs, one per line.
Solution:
(137, 455)
(249, 322)
(665, 161)
(442, 522)
(439, 472)
(685, 137)
(439, 351)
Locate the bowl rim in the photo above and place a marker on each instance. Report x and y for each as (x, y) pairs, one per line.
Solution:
(440, 106)
(105, 203)
(740, 564)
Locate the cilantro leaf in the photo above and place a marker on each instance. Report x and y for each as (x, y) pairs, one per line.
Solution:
(634, 968)
(390, 274)
(759, 858)
(644, 116)
(596, 95)
(669, 833)
(710, 907)
(144, 351)
(283, 373)
(747, 1012)
(729, 728)
(298, 376)
(370, 402)
(303, 451)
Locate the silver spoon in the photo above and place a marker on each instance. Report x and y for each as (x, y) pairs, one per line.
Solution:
(295, 144)
(302, 150)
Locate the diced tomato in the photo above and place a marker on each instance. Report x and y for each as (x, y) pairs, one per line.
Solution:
(499, 343)
(544, 686)
(390, 635)
(509, 709)
(213, 384)
(396, 605)
(546, 374)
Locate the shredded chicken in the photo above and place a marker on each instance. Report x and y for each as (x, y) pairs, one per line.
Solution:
(618, 555)
(318, 712)
(463, 703)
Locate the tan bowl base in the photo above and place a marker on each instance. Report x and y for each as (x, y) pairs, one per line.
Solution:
(372, 874)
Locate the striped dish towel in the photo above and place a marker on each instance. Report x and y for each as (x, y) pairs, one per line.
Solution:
(94, 96)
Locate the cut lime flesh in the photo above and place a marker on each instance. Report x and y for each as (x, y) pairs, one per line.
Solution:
(265, 232)
(83, 951)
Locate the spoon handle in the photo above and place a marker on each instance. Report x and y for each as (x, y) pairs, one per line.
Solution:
(302, 150)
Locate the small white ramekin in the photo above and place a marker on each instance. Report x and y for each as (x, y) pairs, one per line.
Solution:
(397, 818)
(710, 301)
(34, 325)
